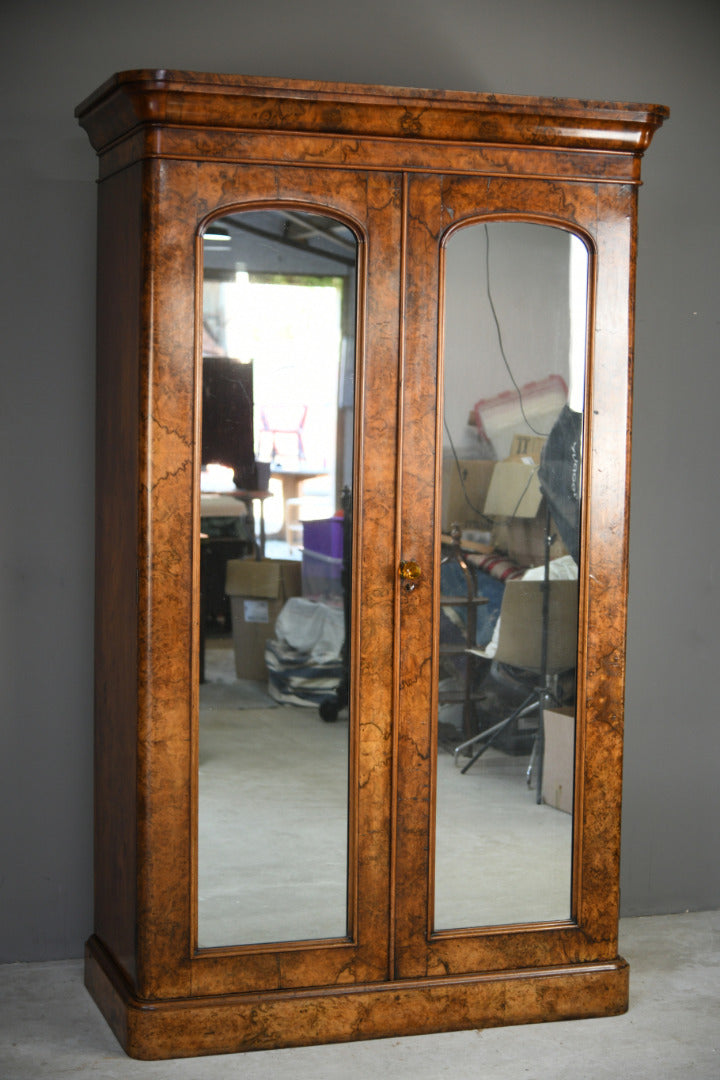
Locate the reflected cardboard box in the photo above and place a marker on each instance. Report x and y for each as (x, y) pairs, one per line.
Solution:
(559, 759)
(465, 484)
(258, 590)
(515, 501)
(497, 418)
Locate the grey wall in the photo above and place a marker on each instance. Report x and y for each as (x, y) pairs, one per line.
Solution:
(55, 54)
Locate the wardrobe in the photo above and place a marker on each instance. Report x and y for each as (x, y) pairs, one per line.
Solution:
(399, 177)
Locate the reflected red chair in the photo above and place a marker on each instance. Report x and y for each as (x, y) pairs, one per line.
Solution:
(282, 422)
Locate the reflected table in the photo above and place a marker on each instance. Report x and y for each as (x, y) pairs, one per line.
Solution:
(292, 477)
(249, 495)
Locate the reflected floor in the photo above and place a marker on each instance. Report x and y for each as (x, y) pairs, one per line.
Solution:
(272, 826)
(501, 857)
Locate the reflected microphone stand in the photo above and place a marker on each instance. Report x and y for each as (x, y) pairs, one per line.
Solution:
(545, 695)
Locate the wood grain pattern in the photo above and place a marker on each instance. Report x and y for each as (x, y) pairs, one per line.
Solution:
(228, 1023)
(437, 205)
(188, 99)
(401, 168)
(116, 534)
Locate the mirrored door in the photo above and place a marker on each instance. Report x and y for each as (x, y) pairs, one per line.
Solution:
(492, 517)
(293, 801)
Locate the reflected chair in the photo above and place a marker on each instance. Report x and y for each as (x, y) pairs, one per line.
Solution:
(538, 636)
(284, 424)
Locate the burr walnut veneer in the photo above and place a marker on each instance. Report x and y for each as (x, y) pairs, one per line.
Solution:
(400, 168)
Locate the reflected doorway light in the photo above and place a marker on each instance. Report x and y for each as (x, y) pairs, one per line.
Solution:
(216, 478)
(219, 234)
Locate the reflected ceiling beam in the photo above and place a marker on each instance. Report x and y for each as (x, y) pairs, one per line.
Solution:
(278, 238)
(307, 223)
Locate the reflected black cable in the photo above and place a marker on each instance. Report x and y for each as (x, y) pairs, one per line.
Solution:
(461, 478)
(543, 434)
(518, 391)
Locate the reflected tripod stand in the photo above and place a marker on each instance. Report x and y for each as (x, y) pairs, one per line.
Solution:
(542, 696)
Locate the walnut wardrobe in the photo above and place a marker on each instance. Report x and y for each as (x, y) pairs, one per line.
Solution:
(425, 193)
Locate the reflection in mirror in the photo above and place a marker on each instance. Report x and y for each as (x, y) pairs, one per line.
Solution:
(515, 333)
(279, 288)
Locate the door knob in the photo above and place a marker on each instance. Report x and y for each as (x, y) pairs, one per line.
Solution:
(410, 573)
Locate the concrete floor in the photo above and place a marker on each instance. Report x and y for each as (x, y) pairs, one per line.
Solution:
(50, 1028)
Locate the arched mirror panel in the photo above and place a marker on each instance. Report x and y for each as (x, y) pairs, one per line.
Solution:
(278, 367)
(514, 343)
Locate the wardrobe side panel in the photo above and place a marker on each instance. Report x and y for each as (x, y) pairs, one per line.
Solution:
(116, 608)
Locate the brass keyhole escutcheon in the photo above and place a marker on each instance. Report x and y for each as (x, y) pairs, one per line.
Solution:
(410, 574)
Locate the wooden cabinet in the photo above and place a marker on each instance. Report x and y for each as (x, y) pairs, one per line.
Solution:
(404, 171)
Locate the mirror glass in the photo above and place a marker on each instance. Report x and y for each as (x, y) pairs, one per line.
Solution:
(278, 361)
(515, 348)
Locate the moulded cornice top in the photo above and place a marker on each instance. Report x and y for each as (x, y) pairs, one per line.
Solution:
(184, 99)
